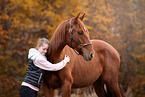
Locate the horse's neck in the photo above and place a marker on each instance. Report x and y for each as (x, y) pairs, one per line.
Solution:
(57, 43)
(55, 54)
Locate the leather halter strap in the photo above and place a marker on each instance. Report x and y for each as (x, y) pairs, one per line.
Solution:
(72, 38)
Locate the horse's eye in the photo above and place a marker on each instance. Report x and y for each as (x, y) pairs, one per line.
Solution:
(81, 32)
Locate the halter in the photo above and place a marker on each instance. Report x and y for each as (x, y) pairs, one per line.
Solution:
(72, 38)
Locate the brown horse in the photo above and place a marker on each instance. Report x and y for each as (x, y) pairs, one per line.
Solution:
(97, 63)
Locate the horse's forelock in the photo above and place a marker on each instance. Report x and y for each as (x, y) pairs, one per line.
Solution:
(83, 27)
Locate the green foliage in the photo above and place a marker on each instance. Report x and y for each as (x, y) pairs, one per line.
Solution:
(120, 23)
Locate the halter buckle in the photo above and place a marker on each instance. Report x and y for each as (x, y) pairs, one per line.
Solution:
(70, 30)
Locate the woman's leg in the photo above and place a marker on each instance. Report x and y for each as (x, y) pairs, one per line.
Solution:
(27, 92)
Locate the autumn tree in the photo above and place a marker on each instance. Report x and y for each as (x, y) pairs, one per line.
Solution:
(120, 23)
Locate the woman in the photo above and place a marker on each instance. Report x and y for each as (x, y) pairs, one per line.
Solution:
(36, 66)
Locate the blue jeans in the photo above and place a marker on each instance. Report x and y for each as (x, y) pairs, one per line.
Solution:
(27, 92)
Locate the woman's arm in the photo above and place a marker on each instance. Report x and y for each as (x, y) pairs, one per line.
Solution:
(42, 63)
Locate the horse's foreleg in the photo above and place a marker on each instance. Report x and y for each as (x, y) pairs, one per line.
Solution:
(66, 89)
(48, 92)
(66, 86)
(99, 88)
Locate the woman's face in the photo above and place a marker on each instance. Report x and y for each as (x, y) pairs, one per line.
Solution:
(43, 49)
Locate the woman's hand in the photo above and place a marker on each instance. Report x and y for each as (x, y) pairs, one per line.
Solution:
(67, 58)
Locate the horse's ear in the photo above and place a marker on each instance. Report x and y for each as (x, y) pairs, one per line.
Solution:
(76, 18)
(82, 17)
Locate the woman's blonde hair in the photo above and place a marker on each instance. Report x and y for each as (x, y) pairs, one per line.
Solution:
(41, 41)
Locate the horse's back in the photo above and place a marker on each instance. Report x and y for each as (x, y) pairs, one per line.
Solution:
(100, 46)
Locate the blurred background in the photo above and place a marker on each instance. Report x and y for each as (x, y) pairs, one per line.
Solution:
(118, 22)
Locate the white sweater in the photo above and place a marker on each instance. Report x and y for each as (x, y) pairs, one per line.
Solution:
(41, 61)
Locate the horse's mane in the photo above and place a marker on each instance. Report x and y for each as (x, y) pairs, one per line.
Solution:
(58, 37)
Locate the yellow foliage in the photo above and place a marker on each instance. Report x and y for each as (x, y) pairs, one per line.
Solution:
(22, 22)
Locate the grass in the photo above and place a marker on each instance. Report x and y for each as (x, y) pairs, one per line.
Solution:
(81, 95)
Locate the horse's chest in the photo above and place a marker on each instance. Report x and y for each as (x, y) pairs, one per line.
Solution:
(52, 79)
(86, 75)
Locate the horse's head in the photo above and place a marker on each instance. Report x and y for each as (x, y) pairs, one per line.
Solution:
(77, 37)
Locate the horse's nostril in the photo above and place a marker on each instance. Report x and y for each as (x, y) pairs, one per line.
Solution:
(88, 58)
(91, 55)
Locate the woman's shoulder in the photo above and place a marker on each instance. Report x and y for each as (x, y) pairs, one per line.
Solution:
(32, 49)
(33, 53)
